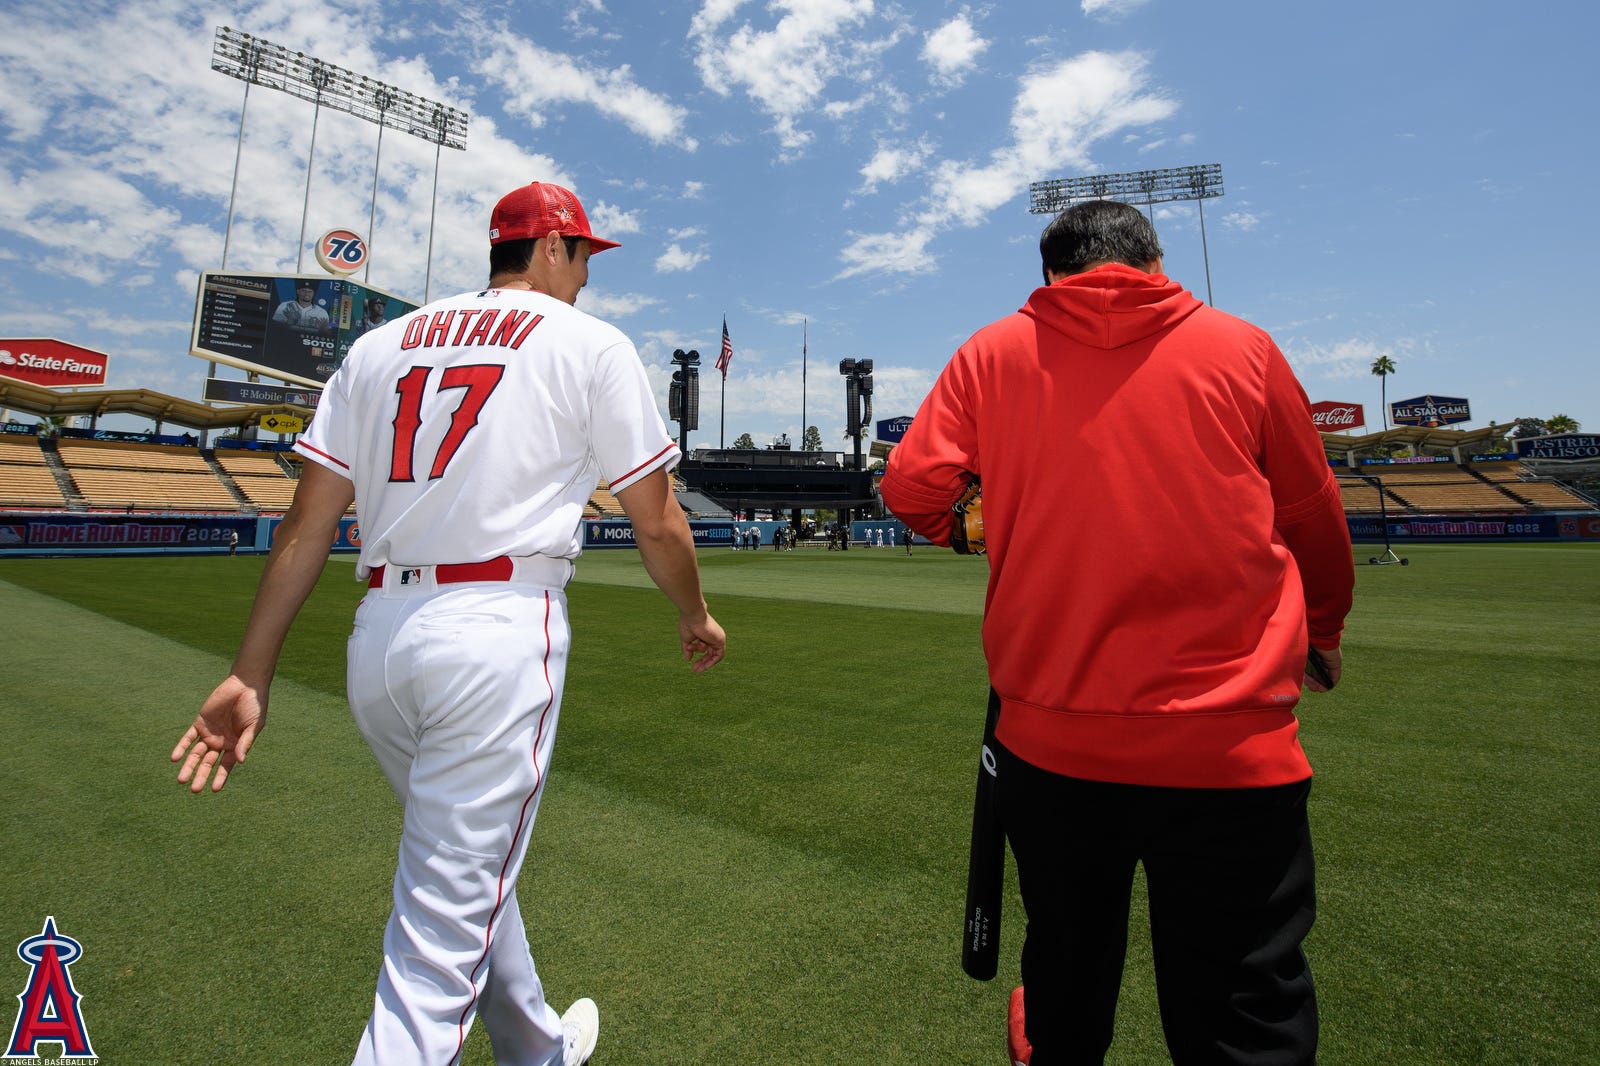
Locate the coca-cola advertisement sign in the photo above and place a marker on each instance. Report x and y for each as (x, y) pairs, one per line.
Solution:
(51, 363)
(1336, 416)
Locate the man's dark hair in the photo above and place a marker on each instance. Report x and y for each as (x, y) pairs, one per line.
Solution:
(1097, 231)
(513, 257)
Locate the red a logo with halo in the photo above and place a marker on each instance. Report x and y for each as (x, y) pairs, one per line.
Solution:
(49, 1004)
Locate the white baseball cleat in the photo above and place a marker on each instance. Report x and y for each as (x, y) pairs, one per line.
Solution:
(582, 1024)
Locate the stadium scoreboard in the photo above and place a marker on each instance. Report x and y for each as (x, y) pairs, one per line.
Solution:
(295, 327)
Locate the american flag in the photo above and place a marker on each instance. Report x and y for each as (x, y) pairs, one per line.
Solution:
(726, 356)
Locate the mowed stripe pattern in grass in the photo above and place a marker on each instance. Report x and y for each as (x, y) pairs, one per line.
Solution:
(765, 864)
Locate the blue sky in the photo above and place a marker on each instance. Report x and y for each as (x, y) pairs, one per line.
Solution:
(1402, 179)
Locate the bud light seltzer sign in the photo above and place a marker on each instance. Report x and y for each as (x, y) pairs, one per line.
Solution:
(1336, 416)
(1430, 411)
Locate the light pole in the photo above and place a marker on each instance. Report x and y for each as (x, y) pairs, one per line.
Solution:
(857, 414)
(683, 395)
(256, 61)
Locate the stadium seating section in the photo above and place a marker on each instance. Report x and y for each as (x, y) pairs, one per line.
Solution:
(119, 476)
(1447, 488)
(605, 502)
(110, 476)
(25, 479)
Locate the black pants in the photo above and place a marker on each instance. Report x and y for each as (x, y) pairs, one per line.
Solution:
(1232, 897)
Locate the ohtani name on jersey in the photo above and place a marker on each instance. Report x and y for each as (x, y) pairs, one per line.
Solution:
(483, 326)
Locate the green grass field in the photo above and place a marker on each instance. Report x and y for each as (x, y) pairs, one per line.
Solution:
(766, 864)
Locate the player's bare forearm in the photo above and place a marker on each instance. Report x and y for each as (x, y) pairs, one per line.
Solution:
(666, 547)
(299, 554)
(236, 711)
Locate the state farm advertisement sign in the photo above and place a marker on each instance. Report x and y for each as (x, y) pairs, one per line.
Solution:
(51, 363)
(1335, 416)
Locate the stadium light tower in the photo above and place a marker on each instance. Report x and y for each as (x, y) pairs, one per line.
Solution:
(857, 399)
(1197, 183)
(683, 394)
(256, 61)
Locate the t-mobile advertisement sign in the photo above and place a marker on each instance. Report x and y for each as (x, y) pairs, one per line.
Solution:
(1337, 416)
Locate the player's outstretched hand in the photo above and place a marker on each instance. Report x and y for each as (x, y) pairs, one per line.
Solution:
(703, 642)
(1332, 665)
(221, 735)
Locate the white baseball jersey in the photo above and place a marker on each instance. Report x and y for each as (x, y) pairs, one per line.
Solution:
(483, 425)
(473, 428)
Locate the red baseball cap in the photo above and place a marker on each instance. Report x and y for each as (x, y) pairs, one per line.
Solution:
(533, 210)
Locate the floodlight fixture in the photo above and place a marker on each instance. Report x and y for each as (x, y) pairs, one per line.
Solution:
(683, 394)
(857, 374)
(256, 60)
(1149, 187)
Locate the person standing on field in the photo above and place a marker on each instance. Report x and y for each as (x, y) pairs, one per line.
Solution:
(469, 434)
(1153, 596)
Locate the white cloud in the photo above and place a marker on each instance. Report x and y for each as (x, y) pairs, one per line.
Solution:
(786, 69)
(609, 220)
(692, 190)
(894, 253)
(891, 163)
(952, 50)
(1107, 10)
(1347, 359)
(615, 305)
(1241, 220)
(535, 79)
(1059, 113)
(676, 259)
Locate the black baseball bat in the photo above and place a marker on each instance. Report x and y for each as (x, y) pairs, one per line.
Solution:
(986, 861)
(1318, 668)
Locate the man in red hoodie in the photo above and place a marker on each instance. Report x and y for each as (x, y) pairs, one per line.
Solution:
(1166, 546)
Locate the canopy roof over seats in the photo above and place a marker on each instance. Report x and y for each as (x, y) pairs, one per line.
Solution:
(1417, 436)
(48, 403)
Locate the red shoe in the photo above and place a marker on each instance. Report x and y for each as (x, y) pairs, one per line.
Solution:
(1016, 1032)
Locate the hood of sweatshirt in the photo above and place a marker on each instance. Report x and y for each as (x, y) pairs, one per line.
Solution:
(1111, 306)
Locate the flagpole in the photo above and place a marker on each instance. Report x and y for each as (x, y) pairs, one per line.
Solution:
(803, 324)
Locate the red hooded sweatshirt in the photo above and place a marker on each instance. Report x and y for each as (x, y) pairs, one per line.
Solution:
(1163, 531)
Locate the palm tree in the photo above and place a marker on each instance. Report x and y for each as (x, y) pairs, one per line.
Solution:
(1383, 366)
(1561, 424)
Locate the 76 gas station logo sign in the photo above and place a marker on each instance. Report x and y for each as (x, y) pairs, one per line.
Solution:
(342, 251)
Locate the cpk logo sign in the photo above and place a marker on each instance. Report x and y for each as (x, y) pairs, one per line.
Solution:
(48, 1011)
(51, 363)
(1332, 416)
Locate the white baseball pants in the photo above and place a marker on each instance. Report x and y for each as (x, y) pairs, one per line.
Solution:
(457, 689)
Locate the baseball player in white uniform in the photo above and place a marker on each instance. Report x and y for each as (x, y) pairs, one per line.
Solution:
(469, 434)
